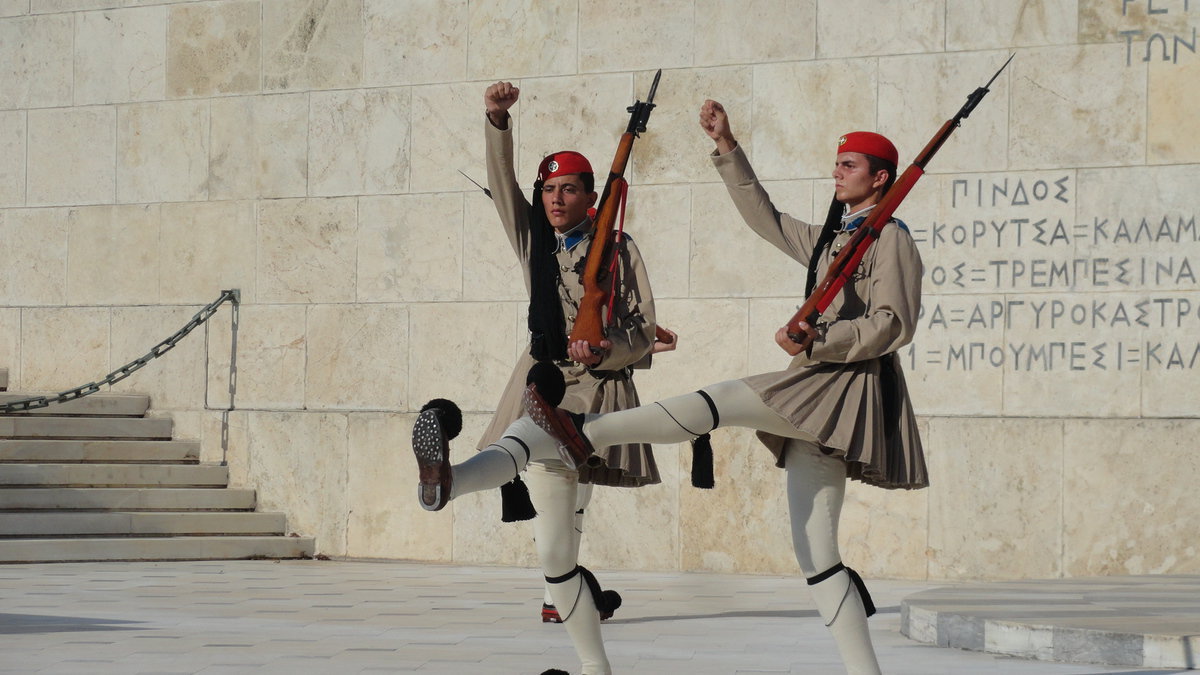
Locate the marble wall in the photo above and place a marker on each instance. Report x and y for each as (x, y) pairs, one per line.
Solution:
(308, 153)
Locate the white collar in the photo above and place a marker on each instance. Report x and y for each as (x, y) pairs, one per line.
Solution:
(848, 218)
(570, 239)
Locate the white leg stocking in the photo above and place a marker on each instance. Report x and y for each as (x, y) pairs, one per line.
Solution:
(552, 489)
(499, 462)
(816, 488)
(583, 497)
(682, 418)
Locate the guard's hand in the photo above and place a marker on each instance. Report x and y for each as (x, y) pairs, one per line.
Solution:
(665, 345)
(792, 347)
(715, 122)
(580, 351)
(499, 97)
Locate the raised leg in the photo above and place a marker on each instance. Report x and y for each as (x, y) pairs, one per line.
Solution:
(681, 418)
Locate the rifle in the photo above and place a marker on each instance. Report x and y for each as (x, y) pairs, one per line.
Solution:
(589, 322)
(846, 261)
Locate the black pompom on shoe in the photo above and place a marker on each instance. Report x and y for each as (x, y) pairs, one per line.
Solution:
(555, 671)
(438, 422)
(609, 603)
(549, 380)
(450, 415)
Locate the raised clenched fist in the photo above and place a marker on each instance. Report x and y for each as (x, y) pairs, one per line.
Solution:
(500, 97)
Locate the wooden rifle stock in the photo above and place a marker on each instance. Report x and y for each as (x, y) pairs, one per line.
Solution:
(589, 320)
(846, 261)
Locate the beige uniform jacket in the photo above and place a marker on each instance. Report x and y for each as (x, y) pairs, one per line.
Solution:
(632, 335)
(834, 395)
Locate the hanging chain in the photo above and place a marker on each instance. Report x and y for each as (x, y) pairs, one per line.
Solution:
(232, 295)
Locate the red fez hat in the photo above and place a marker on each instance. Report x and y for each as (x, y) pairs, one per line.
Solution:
(561, 164)
(869, 143)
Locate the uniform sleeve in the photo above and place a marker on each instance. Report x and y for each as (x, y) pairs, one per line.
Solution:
(794, 237)
(510, 204)
(890, 320)
(632, 336)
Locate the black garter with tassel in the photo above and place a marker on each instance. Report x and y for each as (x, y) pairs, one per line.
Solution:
(868, 604)
(515, 504)
(702, 463)
(606, 602)
(702, 457)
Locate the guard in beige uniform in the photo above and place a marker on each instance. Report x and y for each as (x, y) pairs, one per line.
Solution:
(840, 409)
(551, 238)
(605, 385)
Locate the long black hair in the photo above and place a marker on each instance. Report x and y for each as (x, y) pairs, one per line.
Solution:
(547, 336)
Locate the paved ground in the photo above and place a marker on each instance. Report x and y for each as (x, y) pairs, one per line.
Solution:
(395, 617)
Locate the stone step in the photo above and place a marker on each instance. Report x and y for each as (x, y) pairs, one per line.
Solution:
(1143, 621)
(111, 405)
(30, 426)
(108, 452)
(114, 475)
(38, 524)
(127, 499)
(153, 548)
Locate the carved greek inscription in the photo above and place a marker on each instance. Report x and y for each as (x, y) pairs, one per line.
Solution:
(1095, 292)
(1151, 45)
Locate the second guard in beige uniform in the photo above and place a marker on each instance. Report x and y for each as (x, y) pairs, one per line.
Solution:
(607, 385)
(840, 409)
(551, 238)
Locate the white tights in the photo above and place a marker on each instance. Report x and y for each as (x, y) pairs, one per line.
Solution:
(583, 497)
(816, 486)
(553, 489)
(815, 483)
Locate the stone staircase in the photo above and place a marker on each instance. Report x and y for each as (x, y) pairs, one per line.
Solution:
(95, 479)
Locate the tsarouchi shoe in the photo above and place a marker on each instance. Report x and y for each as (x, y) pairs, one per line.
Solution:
(573, 447)
(434, 428)
(550, 614)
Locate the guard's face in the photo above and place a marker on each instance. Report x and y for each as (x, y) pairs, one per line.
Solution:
(853, 182)
(566, 202)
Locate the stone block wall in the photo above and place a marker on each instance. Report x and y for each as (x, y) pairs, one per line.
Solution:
(308, 152)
